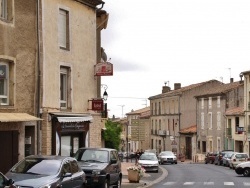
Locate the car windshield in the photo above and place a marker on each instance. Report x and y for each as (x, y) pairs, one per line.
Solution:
(37, 166)
(148, 157)
(90, 155)
(167, 154)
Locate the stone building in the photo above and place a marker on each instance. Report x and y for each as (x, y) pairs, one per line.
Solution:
(48, 53)
(218, 110)
(173, 114)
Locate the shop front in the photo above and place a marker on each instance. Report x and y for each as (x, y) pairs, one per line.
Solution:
(69, 133)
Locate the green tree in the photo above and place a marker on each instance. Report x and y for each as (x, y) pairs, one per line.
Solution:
(112, 134)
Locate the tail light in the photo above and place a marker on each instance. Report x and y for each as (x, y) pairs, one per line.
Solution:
(248, 159)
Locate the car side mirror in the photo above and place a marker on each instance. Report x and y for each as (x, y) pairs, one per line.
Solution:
(10, 182)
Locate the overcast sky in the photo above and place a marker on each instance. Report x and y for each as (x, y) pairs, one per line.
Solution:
(173, 41)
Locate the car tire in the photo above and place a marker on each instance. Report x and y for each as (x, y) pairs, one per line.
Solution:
(106, 184)
(118, 183)
(175, 162)
(246, 172)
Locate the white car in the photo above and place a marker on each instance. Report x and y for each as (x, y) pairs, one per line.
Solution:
(167, 157)
(243, 168)
(237, 158)
(149, 162)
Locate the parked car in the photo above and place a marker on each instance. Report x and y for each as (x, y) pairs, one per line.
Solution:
(226, 158)
(243, 169)
(219, 156)
(38, 171)
(210, 157)
(101, 166)
(6, 182)
(167, 157)
(237, 158)
(149, 162)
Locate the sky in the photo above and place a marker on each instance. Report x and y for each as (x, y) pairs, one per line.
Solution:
(153, 43)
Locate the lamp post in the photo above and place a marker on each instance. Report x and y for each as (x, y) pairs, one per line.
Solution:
(105, 97)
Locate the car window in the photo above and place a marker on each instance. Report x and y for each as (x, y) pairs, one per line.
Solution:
(113, 155)
(66, 168)
(1, 181)
(74, 167)
(241, 155)
(37, 166)
(92, 155)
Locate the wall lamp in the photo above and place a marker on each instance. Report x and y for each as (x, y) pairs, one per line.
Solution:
(105, 94)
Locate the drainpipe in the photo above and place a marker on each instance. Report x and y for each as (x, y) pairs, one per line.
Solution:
(38, 81)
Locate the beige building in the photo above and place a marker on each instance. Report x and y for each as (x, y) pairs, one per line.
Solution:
(48, 53)
(173, 118)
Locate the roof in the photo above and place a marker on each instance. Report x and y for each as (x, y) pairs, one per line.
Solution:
(192, 129)
(222, 89)
(235, 111)
(181, 90)
(17, 117)
(91, 3)
(140, 111)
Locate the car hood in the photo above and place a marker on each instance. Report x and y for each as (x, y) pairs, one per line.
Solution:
(244, 164)
(92, 165)
(147, 162)
(30, 179)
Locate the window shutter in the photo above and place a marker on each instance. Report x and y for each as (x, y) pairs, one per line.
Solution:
(62, 28)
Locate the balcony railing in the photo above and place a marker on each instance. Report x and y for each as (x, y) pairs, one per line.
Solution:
(229, 132)
(161, 132)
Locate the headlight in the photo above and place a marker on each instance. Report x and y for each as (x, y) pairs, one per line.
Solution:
(96, 172)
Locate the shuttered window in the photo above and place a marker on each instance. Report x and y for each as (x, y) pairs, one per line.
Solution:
(63, 29)
(3, 9)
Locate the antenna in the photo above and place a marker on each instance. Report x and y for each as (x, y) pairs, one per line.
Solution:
(166, 82)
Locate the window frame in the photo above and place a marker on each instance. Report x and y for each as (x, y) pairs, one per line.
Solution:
(63, 29)
(66, 83)
(6, 85)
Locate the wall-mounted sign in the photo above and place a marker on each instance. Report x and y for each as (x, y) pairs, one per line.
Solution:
(104, 69)
(97, 105)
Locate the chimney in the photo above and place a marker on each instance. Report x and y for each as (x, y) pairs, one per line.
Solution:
(165, 89)
(177, 86)
(231, 80)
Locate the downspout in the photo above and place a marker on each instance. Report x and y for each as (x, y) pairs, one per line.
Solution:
(38, 82)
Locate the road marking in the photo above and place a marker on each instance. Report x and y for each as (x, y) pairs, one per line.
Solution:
(208, 183)
(188, 183)
(228, 183)
(246, 183)
(169, 183)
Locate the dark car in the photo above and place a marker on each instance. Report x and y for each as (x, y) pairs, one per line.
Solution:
(6, 182)
(38, 171)
(210, 157)
(101, 166)
(218, 160)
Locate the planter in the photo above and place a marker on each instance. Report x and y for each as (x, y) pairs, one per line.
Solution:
(133, 176)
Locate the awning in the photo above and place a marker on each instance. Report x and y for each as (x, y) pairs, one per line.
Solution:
(17, 117)
(75, 119)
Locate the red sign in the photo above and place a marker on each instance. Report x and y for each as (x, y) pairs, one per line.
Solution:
(97, 105)
(104, 69)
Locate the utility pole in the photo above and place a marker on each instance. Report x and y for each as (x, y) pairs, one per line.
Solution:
(122, 108)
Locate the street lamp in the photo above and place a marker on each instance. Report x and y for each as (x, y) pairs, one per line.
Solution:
(105, 94)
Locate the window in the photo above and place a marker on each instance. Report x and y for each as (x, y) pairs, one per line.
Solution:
(210, 122)
(63, 29)
(210, 102)
(218, 102)
(4, 83)
(202, 103)
(64, 88)
(218, 120)
(6, 10)
(202, 120)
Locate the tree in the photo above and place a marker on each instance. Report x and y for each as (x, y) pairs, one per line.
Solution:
(112, 134)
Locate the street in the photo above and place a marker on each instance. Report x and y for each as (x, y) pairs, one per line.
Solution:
(201, 175)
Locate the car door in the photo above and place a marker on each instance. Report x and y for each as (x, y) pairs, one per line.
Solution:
(114, 167)
(66, 175)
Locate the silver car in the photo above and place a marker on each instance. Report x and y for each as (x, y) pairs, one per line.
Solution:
(167, 157)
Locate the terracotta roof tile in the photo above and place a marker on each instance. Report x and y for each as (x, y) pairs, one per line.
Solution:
(191, 129)
(142, 110)
(235, 111)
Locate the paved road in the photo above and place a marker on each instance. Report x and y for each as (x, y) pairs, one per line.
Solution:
(201, 175)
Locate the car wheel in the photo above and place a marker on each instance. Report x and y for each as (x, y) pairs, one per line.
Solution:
(175, 162)
(106, 184)
(246, 172)
(118, 183)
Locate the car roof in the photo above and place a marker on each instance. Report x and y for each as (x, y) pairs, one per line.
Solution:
(52, 157)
